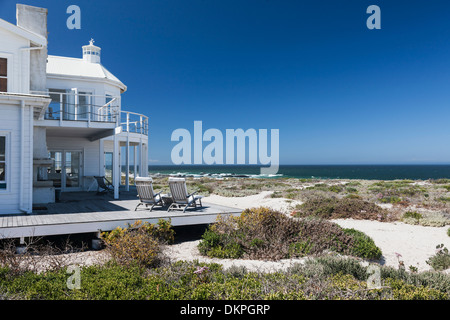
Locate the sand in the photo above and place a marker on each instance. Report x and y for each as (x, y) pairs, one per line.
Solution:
(262, 199)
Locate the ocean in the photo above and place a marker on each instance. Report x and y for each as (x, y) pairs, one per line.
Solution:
(370, 172)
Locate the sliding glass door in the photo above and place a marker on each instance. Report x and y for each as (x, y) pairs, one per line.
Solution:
(66, 169)
(72, 170)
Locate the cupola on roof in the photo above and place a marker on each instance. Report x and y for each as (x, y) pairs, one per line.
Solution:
(91, 53)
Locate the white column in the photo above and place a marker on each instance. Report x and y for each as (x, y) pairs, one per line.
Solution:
(116, 167)
(127, 158)
(134, 162)
(101, 162)
(145, 160)
(141, 168)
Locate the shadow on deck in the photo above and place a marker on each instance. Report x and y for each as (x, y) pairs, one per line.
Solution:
(78, 202)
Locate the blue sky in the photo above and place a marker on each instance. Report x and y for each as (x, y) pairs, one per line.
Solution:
(338, 92)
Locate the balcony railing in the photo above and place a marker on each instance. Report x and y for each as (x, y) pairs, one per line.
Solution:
(134, 122)
(77, 106)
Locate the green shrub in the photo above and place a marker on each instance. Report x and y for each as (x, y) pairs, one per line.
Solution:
(412, 217)
(336, 188)
(218, 245)
(405, 291)
(434, 219)
(441, 260)
(440, 181)
(269, 235)
(390, 199)
(364, 246)
(349, 207)
(326, 277)
(139, 243)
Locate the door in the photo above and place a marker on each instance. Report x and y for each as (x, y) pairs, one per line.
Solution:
(72, 170)
(55, 172)
(66, 170)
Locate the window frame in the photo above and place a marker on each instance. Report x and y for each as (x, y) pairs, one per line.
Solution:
(11, 86)
(7, 71)
(7, 161)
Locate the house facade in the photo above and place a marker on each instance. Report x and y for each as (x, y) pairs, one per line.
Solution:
(61, 119)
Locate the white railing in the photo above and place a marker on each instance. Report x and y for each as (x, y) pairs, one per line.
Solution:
(134, 122)
(75, 106)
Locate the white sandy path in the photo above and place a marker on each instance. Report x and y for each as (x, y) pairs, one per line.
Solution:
(262, 199)
(415, 243)
(188, 251)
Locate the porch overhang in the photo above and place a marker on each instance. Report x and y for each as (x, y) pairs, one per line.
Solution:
(91, 134)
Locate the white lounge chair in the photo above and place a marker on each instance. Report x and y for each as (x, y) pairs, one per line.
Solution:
(146, 194)
(180, 196)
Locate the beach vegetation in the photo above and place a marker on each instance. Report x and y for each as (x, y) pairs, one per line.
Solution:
(412, 217)
(441, 260)
(265, 234)
(323, 277)
(342, 208)
(139, 243)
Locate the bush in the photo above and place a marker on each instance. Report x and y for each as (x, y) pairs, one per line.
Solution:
(405, 291)
(327, 277)
(412, 217)
(349, 207)
(434, 219)
(265, 234)
(440, 261)
(364, 246)
(139, 243)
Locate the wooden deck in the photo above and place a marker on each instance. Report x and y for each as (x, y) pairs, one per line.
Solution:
(84, 212)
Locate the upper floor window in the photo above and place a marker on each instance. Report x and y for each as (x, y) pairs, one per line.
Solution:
(3, 75)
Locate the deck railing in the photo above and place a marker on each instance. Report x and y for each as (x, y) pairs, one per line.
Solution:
(76, 106)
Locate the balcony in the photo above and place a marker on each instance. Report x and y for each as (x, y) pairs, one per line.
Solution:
(134, 122)
(71, 108)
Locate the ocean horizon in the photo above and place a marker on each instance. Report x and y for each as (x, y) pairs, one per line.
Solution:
(369, 172)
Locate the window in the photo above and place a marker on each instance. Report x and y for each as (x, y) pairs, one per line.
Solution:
(2, 162)
(3, 75)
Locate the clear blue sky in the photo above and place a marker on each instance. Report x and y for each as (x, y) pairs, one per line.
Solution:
(338, 92)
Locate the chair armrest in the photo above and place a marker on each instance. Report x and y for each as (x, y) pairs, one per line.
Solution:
(192, 193)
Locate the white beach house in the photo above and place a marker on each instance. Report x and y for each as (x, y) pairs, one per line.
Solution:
(61, 119)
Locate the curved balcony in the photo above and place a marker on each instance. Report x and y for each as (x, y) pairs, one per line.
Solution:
(72, 106)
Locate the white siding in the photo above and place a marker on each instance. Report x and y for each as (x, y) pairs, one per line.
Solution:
(18, 61)
(17, 161)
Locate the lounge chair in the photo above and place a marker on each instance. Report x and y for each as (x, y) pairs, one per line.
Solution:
(146, 194)
(180, 196)
(104, 186)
